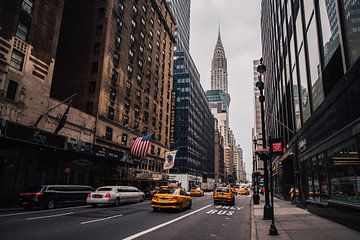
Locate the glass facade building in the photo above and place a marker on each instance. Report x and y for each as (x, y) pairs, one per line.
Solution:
(312, 84)
(193, 123)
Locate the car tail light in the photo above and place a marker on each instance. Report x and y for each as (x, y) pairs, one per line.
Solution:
(173, 199)
(107, 195)
(22, 194)
(89, 195)
(39, 194)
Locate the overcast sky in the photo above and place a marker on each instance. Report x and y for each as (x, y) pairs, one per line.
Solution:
(240, 34)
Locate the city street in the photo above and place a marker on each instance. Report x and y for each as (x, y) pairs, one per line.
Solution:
(132, 221)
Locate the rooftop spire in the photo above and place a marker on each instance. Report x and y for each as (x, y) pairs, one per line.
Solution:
(219, 37)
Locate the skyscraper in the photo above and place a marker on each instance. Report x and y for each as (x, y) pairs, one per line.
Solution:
(181, 11)
(219, 99)
(193, 133)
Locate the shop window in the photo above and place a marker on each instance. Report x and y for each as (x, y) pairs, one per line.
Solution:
(309, 175)
(17, 60)
(27, 6)
(11, 90)
(22, 31)
(316, 183)
(344, 172)
(108, 133)
(323, 177)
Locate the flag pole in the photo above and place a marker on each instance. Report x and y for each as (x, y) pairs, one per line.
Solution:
(57, 105)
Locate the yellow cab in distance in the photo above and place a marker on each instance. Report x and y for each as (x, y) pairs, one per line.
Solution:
(224, 195)
(196, 191)
(243, 191)
(171, 198)
(234, 190)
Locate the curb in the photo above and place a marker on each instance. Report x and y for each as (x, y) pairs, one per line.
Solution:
(253, 235)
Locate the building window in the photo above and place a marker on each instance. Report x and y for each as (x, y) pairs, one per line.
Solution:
(119, 23)
(138, 94)
(99, 30)
(22, 31)
(124, 138)
(126, 120)
(116, 58)
(89, 107)
(136, 110)
(139, 79)
(147, 87)
(94, 67)
(146, 117)
(27, 6)
(143, 21)
(128, 88)
(304, 89)
(132, 38)
(142, 35)
(134, 8)
(11, 90)
(17, 60)
(127, 103)
(111, 113)
(96, 48)
(112, 94)
(117, 41)
(92, 87)
(144, 8)
(108, 133)
(101, 12)
(146, 102)
(133, 23)
(114, 76)
(136, 124)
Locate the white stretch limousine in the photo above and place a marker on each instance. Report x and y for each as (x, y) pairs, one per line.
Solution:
(115, 195)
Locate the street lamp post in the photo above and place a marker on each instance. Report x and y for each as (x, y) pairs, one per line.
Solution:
(255, 176)
(261, 68)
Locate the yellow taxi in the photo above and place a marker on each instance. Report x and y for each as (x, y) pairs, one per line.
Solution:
(234, 190)
(196, 191)
(171, 198)
(224, 195)
(243, 191)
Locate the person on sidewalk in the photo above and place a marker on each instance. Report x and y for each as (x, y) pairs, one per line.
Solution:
(294, 194)
(262, 190)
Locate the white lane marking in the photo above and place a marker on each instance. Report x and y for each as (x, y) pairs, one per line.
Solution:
(164, 224)
(41, 211)
(101, 219)
(50, 216)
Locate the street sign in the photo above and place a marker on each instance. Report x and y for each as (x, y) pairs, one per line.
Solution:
(276, 146)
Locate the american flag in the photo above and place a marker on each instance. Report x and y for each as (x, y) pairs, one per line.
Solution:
(141, 146)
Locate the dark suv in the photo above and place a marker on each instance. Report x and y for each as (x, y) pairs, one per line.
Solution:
(49, 196)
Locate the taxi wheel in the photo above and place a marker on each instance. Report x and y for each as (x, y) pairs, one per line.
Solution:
(155, 209)
(190, 204)
(215, 202)
(180, 209)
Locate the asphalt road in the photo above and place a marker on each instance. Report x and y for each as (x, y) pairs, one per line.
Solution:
(131, 221)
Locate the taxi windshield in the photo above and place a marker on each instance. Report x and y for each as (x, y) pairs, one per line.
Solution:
(167, 191)
(222, 190)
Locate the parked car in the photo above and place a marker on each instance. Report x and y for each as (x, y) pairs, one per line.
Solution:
(51, 196)
(171, 198)
(196, 191)
(224, 195)
(115, 195)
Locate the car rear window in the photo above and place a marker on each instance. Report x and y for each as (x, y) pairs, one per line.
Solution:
(167, 191)
(34, 189)
(104, 189)
(222, 190)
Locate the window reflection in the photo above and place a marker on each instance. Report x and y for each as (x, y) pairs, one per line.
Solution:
(329, 29)
(316, 193)
(352, 27)
(344, 172)
(309, 174)
(304, 90)
(296, 99)
(308, 10)
(314, 64)
(323, 177)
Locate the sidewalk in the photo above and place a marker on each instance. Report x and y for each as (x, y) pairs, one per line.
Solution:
(296, 224)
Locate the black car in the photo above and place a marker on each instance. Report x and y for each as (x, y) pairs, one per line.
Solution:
(51, 196)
